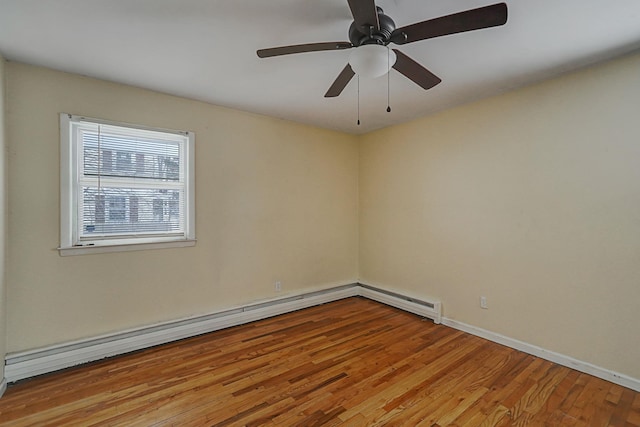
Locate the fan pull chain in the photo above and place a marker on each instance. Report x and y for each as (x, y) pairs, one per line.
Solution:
(358, 100)
(388, 72)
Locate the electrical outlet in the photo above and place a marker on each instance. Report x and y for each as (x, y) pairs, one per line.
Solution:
(483, 302)
(278, 286)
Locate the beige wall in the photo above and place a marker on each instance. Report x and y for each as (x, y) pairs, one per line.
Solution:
(531, 199)
(3, 219)
(275, 201)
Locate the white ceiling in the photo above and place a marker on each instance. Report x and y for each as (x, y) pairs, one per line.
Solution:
(205, 50)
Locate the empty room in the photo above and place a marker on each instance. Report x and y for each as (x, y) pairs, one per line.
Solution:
(343, 212)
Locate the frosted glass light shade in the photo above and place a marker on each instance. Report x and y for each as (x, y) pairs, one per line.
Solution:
(372, 60)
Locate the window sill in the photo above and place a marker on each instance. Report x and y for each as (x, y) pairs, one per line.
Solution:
(100, 249)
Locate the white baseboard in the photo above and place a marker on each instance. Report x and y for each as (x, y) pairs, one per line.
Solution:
(560, 359)
(36, 362)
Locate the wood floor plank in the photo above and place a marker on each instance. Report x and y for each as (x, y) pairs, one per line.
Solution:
(353, 362)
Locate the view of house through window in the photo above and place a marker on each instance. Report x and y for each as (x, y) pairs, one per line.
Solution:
(125, 184)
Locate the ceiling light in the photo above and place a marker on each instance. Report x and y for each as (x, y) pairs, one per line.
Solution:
(372, 60)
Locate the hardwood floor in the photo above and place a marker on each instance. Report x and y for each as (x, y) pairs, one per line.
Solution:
(353, 362)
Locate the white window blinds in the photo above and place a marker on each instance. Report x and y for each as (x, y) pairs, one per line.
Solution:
(129, 185)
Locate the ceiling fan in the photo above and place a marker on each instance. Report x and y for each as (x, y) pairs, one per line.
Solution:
(372, 30)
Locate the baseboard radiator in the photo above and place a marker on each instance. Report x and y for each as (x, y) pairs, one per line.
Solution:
(36, 362)
(431, 309)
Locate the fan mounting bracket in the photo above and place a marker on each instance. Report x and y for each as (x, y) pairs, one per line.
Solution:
(359, 35)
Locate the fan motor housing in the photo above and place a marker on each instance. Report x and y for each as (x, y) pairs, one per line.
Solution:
(359, 35)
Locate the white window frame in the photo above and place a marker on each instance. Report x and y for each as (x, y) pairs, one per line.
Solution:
(70, 161)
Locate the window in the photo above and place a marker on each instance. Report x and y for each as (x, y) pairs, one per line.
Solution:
(117, 206)
(123, 185)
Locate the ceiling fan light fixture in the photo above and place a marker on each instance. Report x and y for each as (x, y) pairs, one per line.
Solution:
(372, 60)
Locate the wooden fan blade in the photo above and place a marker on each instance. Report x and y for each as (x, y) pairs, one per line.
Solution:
(301, 48)
(414, 71)
(365, 13)
(341, 82)
(474, 19)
